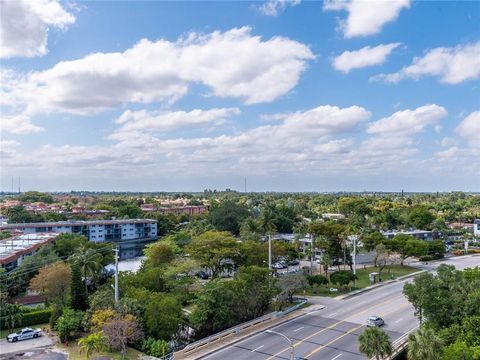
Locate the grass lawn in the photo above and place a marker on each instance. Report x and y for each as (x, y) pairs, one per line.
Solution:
(389, 272)
(74, 353)
(4, 333)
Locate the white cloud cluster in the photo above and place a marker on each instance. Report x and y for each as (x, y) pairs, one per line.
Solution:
(274, 7)
(231, 64)
(366, 17)
(24, 26)
(408, 122)
(452, 65)
(366, 56)
(469, 129)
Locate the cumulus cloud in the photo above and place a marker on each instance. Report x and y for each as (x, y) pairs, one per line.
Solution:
(24, 26)
(164, 121)
(366, 56)
(232, 64)
(469, 129)
(364, 17)
(408, 122)
(274, 7)
(19, 124)
(452, 65)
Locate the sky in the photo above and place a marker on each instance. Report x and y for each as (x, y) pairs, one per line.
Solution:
(339, 95)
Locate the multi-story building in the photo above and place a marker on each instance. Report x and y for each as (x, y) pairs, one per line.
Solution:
(476, 227)
(16, 248)
(418, 234)
(131, 235)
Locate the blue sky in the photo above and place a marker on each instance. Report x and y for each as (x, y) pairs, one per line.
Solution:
(294, 95)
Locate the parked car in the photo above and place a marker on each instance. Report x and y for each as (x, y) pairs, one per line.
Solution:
(202, 275)
(24, 334)
(294, 262)
(375, 321)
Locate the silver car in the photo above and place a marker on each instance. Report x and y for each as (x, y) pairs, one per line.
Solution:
(24, 334)
(375, 321)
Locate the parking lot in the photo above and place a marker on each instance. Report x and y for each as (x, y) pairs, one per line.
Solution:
(18, 347)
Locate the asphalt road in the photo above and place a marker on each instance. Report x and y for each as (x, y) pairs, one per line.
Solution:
(331, 333)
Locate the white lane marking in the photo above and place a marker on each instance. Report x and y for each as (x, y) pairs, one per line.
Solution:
(397, 321)
(300, 328)
(258, 348)
(333, 314)
(336, 357)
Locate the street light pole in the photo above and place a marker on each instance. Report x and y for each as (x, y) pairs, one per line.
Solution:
(116, 275)
(269, 251)
(290, 341)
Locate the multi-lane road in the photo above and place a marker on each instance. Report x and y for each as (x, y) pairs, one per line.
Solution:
(331, 333)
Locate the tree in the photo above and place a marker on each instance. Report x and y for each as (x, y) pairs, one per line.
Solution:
(95, 342)
(157, 348)
(163, 316)
(12, 315)
(78, 298)
(53, 281)
(375, 343)
(101, 317)
(228, 216)
(160, 253)
(371, 240)
(289, 284)
(129, 211)
(69, 322)
(66, 244)
(424, 344)
(406, 246)
(325, 262)
(213, 249)
(90, 263)
(420, 217)
(381, 257)
(122, 331)
(459, 350)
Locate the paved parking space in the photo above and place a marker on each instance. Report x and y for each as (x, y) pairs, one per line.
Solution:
(25, 345)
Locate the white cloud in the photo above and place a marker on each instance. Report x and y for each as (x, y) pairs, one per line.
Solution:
(366, 17)
(452, 65)
(469, 129)
(273, 7)
(19, 124)
(231, 64)
(448, 141)
(154, 121)
(24, 26)
(366, 56)
(408, 122)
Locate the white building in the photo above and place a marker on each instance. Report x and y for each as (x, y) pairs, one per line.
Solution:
(131, 235)
(476, 227)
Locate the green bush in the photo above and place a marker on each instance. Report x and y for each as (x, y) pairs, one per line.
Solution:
(157, 348)
(426, 258)
(30, 318)
(317, 280)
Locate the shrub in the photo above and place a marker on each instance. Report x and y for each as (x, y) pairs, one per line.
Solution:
(317, 280)
(342, 278)
(30, 318)
(157, 348)
(426, 258)
(69, 322)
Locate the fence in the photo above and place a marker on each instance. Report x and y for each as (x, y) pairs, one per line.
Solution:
(239, 329)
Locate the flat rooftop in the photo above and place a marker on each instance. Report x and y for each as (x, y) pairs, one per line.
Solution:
(78, 223)
(18, 245)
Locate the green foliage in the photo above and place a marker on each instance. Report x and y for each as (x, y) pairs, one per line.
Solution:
(371, 240)
(424, 344)
(68, 323)
(228, 216)
(28, 318)
(153, 347)
(66, 244)
(459, 350)
(129, 211)
(95, 342)
(317, 280)
(11, 315)
(35, 196)
(18, 214)
(342, 278)
(163, 316)
(78, 297)
(420, 217)
(374, 343)
(5, 234)
(161, 253)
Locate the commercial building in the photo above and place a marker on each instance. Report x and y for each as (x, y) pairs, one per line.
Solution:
(131, 235)
(418, 234)
(15, 249)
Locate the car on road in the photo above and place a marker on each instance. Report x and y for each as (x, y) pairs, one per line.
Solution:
(24, 334)
(375, 321)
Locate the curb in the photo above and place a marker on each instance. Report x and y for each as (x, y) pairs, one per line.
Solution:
(301, 312)
(373, 287)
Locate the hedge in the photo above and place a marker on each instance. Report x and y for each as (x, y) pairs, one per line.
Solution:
(30, 318)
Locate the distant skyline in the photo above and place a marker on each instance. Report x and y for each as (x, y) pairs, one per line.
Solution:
(293, 95)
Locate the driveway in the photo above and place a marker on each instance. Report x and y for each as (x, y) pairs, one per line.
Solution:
(24, 346)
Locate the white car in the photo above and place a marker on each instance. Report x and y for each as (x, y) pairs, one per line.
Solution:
(24, 334)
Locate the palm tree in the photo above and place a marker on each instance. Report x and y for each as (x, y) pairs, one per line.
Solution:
(90, 263)
(375, 343)
(95, 342)
(325, 262)
(424, 344)
(12, 314)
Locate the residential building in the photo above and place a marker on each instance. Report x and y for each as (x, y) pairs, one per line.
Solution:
(15, 249)
(419, 234)
(131, 235)
(476, 227)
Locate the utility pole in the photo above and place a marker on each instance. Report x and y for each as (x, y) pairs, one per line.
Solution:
(354, 260)
(269, 251)
(116, 275)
